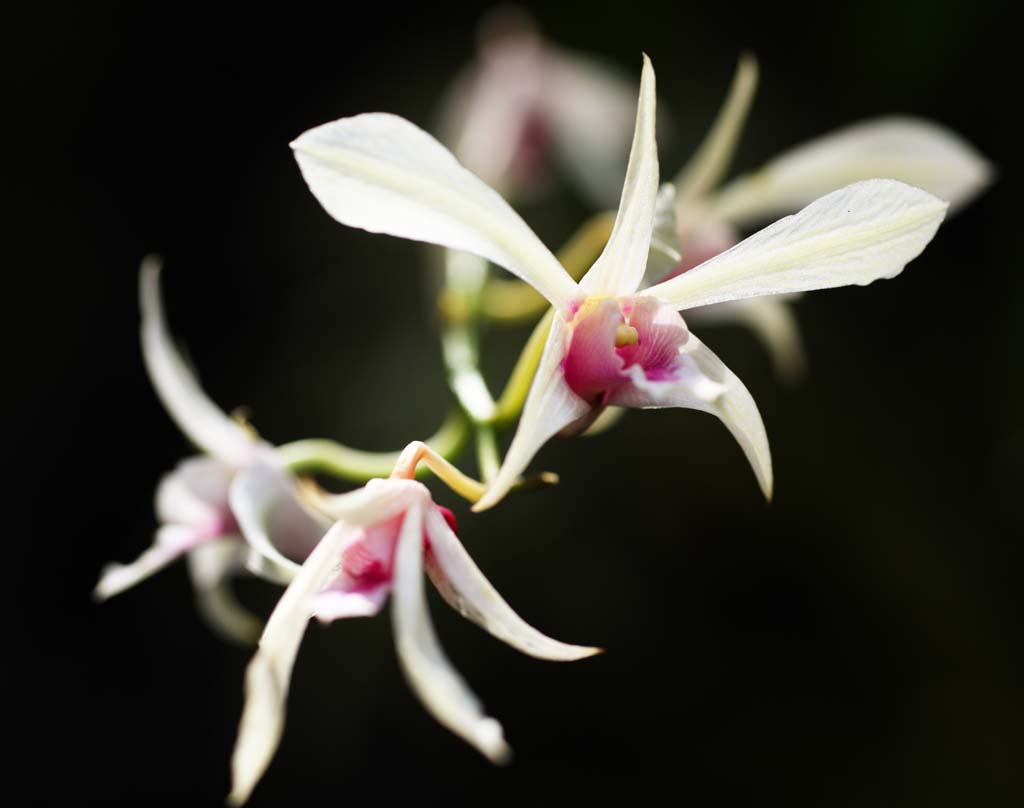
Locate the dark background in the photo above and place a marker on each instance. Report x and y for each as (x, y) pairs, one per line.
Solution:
(855, 643)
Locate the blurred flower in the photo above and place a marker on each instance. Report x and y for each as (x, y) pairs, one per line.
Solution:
(237, 487)
(389, 532)
(608, 343)
(699, 219)
(524, 103)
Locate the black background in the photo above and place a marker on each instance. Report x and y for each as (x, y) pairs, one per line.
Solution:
(855, 643)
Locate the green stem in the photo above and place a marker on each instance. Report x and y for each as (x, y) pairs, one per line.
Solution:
(356, 466)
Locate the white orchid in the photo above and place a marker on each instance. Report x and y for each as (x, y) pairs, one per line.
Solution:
(699, 218)
(237, 487)
(524, 105)
(388, 533)
(609, 343)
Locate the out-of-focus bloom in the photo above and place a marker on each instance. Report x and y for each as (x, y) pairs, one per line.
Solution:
(609, 343)
(525, 104)
(388, 532)
(699, 219)
(205, 506)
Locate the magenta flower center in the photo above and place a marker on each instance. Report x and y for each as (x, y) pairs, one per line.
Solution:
(614, 339)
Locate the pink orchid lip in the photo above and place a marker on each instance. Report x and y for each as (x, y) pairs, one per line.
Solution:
(601, 351)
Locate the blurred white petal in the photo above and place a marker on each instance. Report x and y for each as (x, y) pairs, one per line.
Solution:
(381, 173)
(195, 493)
(205, 424)
(442, 690)
(279, 529)
(772, 320)
(465, 588)
(856, 235)
(914, 151)
(710, 162)
(171, 542)
(550, 407)
(211, 566)
(620, 267)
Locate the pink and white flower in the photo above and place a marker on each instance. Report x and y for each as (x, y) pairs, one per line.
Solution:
(389, 532)
(610, 341)
(232, 508)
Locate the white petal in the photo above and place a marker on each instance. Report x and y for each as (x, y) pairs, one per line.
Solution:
(211, 565)
(443, 691)
(202, 421)
(711, 387)
(464, 586)
(550, 407)
(269, 672)
(381, 173)
(590, 108)
(279, 529)
(195, 493)
(915, 151)
(172, 541)
(858, 234)
(772, 320)
(620, 267)
(708, 165)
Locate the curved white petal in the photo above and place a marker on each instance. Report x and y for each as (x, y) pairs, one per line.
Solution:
(608, 418)
(202, 421)
(665, 253)
(465, 588)
(856, 235)
(195, 493)
(442, 690)
(376, 501)
(620, 267)
(711, 387)
(211, 565)
(381, 173)
(269, 672)
(550, 407)
(278, 528)
(708, 165)
(915, 151)
(773, 322)
(172, 541)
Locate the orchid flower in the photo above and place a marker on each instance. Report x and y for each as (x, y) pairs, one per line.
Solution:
(525, 103)
(388, 533)
(608, 342)
(699, 219)
(236, 488)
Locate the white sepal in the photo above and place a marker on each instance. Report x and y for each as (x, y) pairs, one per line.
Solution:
(620, 267)
(211, 566)
(441, 689)
(912, 150)
(383, 174)
(465, 588)
(856, 235)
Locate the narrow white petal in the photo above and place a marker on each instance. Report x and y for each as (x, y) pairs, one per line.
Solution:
(195, 493)
(269, 672)
(708, 165)
(279, 529)
(172, 541)
(711, 387)
(772, 320)
(608, 418)
(202, 421)
(376, 501)
(620, 267)
(381, 173)
(915, 151)
(550, 407)
(211, 566)
(856, 235)
(464, 586)
(442, 690)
